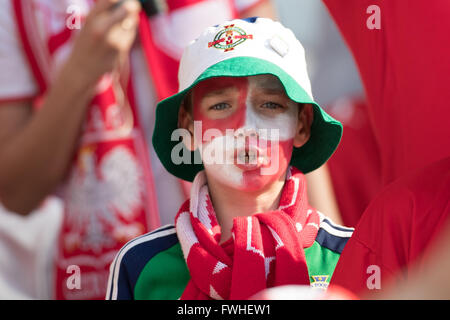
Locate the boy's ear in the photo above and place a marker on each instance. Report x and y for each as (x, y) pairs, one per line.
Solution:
(185, 121)
(305, 119)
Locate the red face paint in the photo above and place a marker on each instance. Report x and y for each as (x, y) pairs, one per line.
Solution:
(254, 179)
(238, 91)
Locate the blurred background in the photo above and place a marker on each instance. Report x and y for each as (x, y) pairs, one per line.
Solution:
(331, 66)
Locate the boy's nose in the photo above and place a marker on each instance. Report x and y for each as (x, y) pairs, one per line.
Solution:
(246, 137)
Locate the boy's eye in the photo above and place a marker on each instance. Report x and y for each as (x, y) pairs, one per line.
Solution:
(271, 105)
(219, 106)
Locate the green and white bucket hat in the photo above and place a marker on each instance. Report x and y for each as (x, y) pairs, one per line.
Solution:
(242, 48)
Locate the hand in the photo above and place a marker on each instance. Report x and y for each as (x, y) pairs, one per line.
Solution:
(104, 40)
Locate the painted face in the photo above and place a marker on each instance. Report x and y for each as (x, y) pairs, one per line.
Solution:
(248, 125)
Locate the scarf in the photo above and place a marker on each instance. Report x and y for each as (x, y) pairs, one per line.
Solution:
(266, 249)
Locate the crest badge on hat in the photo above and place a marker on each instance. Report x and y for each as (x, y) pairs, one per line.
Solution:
(229, 37)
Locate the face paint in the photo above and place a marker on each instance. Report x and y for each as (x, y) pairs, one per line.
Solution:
(250, 136)
(226, 90)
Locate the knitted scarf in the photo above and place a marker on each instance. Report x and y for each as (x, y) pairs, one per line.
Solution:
(266, 249)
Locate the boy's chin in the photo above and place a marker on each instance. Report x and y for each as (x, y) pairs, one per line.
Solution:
(255, 185)
(248, 181)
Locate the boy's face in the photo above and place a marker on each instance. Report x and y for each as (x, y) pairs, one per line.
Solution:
(249, 127)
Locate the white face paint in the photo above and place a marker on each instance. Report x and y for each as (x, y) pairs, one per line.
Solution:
(267, 119)
(285, 122)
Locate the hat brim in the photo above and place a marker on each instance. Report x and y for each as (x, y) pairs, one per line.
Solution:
(326, 132)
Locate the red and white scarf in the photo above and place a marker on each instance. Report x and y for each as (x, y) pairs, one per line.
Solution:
(266, 250)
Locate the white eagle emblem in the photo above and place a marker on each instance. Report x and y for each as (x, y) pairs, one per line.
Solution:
(98, 196)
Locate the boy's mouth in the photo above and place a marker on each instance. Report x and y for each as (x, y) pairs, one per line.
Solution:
(248, 158)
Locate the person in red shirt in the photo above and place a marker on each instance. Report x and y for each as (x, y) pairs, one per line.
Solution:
(430, 280)
(396, 231)
(355, 166)
(404, 66)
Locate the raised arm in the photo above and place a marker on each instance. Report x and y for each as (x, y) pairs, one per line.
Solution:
(36, 148)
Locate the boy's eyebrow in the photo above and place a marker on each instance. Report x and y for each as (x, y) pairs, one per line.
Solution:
(271, 90)
(268, 85)
(217, 92)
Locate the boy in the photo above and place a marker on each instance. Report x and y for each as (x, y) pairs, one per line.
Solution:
(246, 110)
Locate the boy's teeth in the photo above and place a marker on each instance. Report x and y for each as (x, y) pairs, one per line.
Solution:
(248, 157)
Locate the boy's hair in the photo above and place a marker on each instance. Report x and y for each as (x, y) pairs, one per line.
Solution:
(187, 103)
